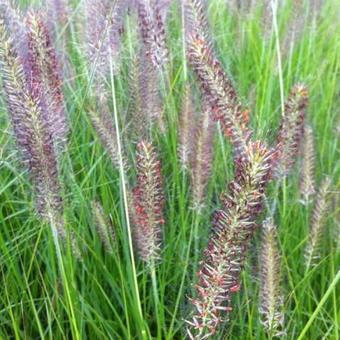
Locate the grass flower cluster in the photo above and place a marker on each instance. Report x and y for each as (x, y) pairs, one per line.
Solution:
(169, 169)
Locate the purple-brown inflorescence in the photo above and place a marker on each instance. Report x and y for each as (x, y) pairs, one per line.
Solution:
(232, 228)
(196, 21)
(104, 227)
(31, 127)
(146, 108)
(148, 204)
(271, 299)
(291, 129)
(187, 128)
(151, 16)
(307, 175)
(317, 224)
(202, 157)
(220, 93)
(44, 77)
(104, 27)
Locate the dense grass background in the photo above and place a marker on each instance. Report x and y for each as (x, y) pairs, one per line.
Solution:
(96, 298)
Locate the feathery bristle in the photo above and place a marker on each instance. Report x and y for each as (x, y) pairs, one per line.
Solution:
(148, 204)
(202, 158)
(270, 292)
(146, 106)
(45, 80)
(232, 228)
(104, 26)
(196, 22)
(31, 129)
(317, 224)
(104, 227)
(307, 180)
(220, 93)
(105, 129)
(291, 129)
(187, 127)
(152, 26)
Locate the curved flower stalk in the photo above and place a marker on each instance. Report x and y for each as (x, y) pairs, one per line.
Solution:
(31, 127)
(104, 227)
(148, 201)
(151, 15)
(317, 224)
(271, 299)
(187, 127)
(219, 93)
(202, 157)
(44, 78)
(307, 176)
(291, 129)
(232, 228)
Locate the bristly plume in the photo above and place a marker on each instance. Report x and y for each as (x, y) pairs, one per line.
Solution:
(271, 299)
(317, 224)
(202, 157)
(219, 93)
(196, 22)
(291, 129)
(104, 27)
(307, 175)
(148, 204)
(187, 127)
(103, 124)
(31, 127)
(152, 27)
(44, 79)
(104, 227)
(223, 258)
(146, 108)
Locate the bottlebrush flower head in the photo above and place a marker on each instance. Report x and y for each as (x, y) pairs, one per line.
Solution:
(31, 128)
(202, 157)
(103, 124)
(148, 204)
(223, 258)
(291, 129)
(104, 227)
(187, 128)
(271, 298)
(196, 21)
(146, 108)
(44, 76)
(318, 223)
(307, 176)
(152, 28)
(219, 92)
(104, 27)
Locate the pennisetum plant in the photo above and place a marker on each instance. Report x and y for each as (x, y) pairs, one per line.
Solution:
(271, 299)
(187, 128)
(148, 201)
(104, 227)
(37, 131)
(307, 180)
(232, 228)
(291, 129)
(317, 223)
(202, 157)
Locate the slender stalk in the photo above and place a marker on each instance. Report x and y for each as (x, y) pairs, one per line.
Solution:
(125, 200)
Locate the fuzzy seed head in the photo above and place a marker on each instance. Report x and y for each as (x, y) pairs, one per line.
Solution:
(148, 204)
(307, 177)
(270, 293)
